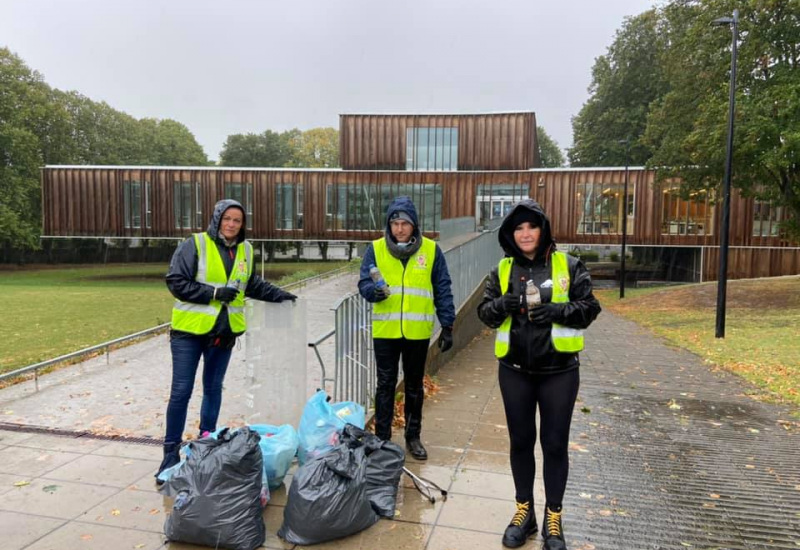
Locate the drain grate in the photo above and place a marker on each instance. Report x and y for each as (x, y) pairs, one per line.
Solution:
(26, 428)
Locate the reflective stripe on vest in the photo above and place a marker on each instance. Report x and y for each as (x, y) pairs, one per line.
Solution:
(200, 318)
(565, 339)
(409, 311)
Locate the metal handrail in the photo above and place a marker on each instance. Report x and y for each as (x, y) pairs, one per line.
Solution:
(80, 353)
(122, 339)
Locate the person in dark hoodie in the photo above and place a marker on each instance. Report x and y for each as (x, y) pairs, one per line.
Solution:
(417, 286)
(539, 300)
(210, 275)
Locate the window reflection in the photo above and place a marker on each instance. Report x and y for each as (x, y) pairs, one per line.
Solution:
(432, 149)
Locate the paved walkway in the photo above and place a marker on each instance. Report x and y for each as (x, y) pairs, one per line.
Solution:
(665, 454)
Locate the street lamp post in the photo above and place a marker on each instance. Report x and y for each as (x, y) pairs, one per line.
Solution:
(722, 281)
(627, 144)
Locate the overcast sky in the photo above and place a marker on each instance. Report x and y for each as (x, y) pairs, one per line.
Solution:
(247, 66)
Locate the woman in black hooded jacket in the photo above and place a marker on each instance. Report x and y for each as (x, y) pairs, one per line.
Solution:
(537, 346)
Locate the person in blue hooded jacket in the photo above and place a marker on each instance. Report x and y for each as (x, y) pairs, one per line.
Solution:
(210, 275)
(414, 289)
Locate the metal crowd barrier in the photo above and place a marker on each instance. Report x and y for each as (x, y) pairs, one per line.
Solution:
(354, 374)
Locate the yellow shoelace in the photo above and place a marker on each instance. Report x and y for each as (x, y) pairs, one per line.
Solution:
(521, 514)
(553, 523)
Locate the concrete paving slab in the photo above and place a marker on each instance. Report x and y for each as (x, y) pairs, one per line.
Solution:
(20, 530)
(104, 470)
(97, 537)
(32, 462)
(55, 498)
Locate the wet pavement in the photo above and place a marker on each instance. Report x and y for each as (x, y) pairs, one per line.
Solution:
(665, 452)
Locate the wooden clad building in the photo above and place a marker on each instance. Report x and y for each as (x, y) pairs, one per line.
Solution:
(444, 163)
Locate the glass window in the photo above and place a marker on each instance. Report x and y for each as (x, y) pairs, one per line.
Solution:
(362, 207)
(187, 205)
(601, 208)
(289, 206)
(685, 212)
(494, 201)
(432, 149)
(243, 193)
(132, 204)
(766, 218)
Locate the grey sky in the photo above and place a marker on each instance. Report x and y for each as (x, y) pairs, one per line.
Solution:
(247, 66)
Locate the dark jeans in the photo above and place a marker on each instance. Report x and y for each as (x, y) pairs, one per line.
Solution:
(388, 352)
(186, 353)
(555, 395)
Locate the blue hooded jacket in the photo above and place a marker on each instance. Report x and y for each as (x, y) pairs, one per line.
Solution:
(440, 277)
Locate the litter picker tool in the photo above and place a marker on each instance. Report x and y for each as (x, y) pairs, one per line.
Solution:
(426, 487)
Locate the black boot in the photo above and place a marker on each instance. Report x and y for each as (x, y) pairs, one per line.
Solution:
(522, 525)
(171, 458)
(416, 449)
(551, 530)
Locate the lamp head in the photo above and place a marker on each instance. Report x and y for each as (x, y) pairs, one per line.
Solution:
(722, 21)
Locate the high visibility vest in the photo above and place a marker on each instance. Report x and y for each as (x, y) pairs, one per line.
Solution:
(409, 311)
(565, 339)
(200, 318)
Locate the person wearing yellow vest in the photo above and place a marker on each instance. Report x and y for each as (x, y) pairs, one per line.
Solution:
(414, 289)
(539, 300)
(210, 275)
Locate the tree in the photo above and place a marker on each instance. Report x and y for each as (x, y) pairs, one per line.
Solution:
(624, 83)
(172, 144)
(317, 148)
(549, 152)
(687, 127)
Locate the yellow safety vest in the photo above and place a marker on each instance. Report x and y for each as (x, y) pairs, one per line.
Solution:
(409, 311)
(565, 339)
(200, 318)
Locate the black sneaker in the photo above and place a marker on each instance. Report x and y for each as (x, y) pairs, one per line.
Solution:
(522, 526)
(416, 449)
(551, 530)
(171, 458)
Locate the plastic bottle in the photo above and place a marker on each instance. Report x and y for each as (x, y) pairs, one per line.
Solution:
(532, 295)
(376, 276)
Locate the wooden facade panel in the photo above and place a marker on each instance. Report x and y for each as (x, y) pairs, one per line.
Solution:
(90, 202)
(503, 141)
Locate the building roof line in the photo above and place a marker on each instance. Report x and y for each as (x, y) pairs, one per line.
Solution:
(291, 169)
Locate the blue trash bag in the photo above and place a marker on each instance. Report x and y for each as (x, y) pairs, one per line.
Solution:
(278, 446)
(323, 422)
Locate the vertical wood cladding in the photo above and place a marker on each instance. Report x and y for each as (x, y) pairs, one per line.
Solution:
(501, 141)
(90, 202)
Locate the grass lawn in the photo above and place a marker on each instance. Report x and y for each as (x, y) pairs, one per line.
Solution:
(54, 311)
(762, 329)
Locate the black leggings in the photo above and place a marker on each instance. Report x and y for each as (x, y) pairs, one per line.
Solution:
(555, 395)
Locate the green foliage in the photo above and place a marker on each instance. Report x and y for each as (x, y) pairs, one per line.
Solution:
(314, 148)
(549, 152)
(41, 125)
(585, 255)
(624, 83)
(66, 310)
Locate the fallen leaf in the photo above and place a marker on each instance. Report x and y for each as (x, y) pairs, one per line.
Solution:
(50, 489)
(713, 495)
(586, 410)
(115, 512)
(673, 405)
(154, 511)
(86, 537)
(22, 483)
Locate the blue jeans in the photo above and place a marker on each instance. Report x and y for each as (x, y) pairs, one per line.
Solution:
(186, 353)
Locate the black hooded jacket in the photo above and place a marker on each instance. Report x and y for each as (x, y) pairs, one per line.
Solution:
(183, 269)
(531, 348)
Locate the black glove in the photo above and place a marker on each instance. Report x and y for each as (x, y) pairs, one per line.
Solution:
(546, 314)
(225, 294)
(511, 303)
(446, 339)
(381, 293)
(287, 296)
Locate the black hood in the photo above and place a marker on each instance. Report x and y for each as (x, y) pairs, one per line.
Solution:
(216, 218)
(402, 204)
(506, 233)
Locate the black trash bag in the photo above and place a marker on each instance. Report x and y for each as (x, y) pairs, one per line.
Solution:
(328, 498)
(218, 493)
(384, 467)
